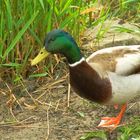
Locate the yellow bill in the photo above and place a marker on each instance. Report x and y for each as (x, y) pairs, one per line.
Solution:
(42, 54)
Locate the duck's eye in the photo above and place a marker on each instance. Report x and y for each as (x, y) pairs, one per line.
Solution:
(50, 40)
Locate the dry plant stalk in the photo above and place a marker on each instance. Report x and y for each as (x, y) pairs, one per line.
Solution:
(69, 87)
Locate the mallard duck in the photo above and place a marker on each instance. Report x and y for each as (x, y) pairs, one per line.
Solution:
(109, 76)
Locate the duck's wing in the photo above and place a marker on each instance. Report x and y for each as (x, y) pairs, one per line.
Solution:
(123, 60)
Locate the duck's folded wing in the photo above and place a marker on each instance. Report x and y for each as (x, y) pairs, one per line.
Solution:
(123, 60)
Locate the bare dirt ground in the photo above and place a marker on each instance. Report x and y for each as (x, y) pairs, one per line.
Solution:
(54, 112)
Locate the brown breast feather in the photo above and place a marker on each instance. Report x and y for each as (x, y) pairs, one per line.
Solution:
(87, 83)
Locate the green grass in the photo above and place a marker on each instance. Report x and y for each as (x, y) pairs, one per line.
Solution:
(127, 132)
(131, 130)
(23, 25)
(95, 134)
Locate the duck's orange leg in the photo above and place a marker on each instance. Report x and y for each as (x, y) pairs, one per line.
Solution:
(112, 122)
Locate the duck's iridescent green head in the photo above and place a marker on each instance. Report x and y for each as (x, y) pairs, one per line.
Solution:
(59, 41)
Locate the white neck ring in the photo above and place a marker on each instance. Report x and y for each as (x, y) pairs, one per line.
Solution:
(77, 63)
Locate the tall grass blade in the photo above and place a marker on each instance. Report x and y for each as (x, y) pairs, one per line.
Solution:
(11, 65)
(1, 34)
(67, 5)
(9, 15)
(19, 35)
(68, 19)
(128, 1)
(38, 75)
(49, 25)
(42, 4)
